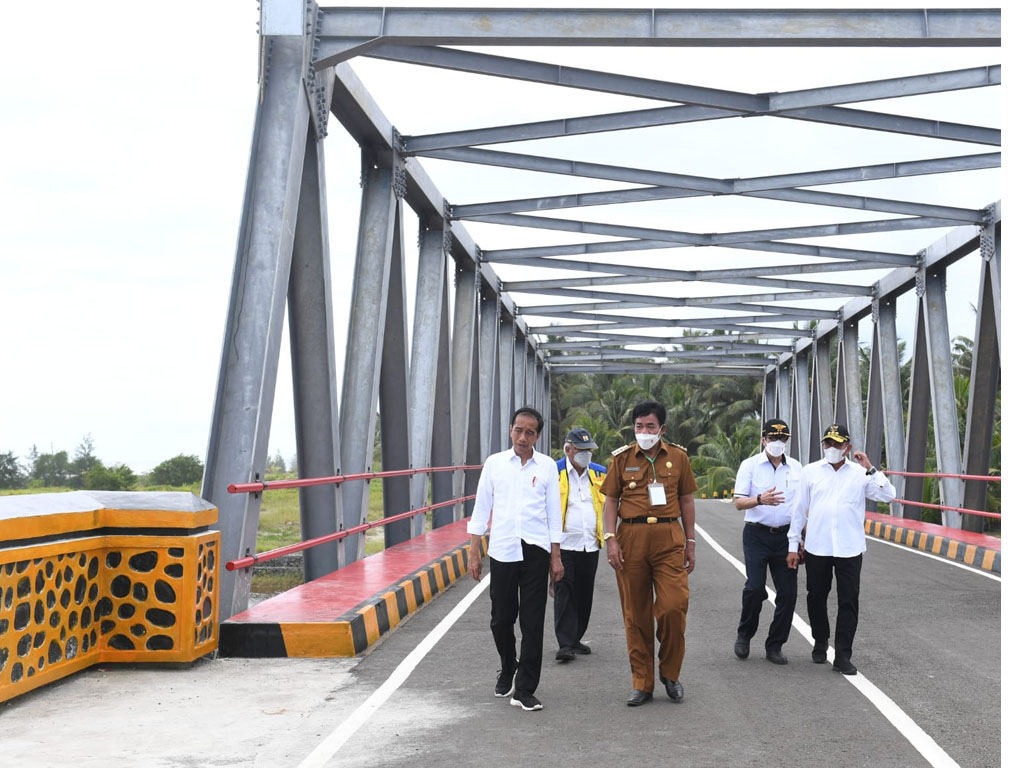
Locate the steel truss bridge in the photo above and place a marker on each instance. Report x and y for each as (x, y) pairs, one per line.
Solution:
(637, 284)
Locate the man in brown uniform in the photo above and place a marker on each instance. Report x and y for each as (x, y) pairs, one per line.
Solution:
(649, 486)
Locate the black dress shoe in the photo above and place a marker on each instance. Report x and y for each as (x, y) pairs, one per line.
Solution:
(742, 647)
(819, 653)
(565, 653)
(776, 657)
(845, 666)
(636, 698)
(581, 649)
(674, 689)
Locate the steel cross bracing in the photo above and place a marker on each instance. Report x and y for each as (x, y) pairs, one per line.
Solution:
(643, 250)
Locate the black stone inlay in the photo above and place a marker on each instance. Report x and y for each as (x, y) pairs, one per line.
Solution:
(71, 648)
(58, 580)
(55, 619)
(82, 559)
(176, 551)
(140, 592)
(104, 607)
(138, 630)
(40, 612)
(199, 593)
(72, 619)
(4, 653)
(160, 617)
(94, 567)
(68, 573)
(40, 638)
(54, 653)
(65, 598)
(144, 562)
(21, 566)
(120, 586)
(211, 560)
(164, 592)
(17, 672)
(85, 644)
(174, 570)
(160, 643)
(63, 634)
(22, 615)
(25, 645)
(80, 587)
(94, 592)
(122, 643)
(125, 610)
(24, 586)
(207, 608)
(113, 559)
(8, 598)
(9, 568)
(49, 569)
(32, 671)
(105, 626)
(40, 581)
(199, 617)
(204, 634)
(86, 617)
(92, 637)
(51, 599)
(4, 624)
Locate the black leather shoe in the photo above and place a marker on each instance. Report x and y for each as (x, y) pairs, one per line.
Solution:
(581, 649)
(845, 666)
(742, 647)
(565, 653)
(636, 698)
(776, 657)
(674, 689)
(819, 653)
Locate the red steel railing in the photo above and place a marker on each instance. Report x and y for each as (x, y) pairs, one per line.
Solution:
(961, 510)
(259, 487)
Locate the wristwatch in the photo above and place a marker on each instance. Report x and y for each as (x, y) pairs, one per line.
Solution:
(871, 471)
(609, 535)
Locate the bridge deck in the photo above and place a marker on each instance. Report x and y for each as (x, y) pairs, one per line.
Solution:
(929, 640)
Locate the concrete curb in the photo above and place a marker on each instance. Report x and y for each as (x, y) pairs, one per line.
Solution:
(973, 549)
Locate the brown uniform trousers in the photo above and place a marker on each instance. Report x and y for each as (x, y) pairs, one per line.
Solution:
(654, 558)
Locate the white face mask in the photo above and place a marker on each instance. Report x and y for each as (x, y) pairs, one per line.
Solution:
(645, 441)
(583, 458)
(775, 448)
(833, 455)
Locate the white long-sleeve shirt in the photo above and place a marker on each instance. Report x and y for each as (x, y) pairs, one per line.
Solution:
(522, 502)
(756, 475)
(832, 505)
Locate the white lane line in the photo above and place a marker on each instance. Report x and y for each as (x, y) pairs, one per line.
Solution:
(337, 738)
(946, 560)
(912, 732)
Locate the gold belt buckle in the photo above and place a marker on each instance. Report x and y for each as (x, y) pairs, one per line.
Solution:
(652, 520)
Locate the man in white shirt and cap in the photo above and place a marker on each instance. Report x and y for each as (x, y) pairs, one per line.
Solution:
(833, 492)
(766, 491)
(518, 491)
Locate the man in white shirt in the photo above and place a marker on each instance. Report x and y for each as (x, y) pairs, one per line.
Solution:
(518, 491)
(579, 486)
(766, 491)
(833, 492)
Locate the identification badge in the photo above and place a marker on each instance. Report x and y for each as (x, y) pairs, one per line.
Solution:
(656, 493)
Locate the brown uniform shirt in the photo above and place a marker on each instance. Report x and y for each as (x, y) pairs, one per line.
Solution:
(630, 471)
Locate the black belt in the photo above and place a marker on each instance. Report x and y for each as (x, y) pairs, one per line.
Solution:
(649, 520)
(771, 529)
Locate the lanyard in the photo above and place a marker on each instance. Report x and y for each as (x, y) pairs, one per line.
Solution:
(653, 470)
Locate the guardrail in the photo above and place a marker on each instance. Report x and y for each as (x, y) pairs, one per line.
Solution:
(306, 482)
(961, 510)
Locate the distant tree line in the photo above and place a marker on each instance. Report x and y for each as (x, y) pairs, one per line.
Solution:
(86, 471)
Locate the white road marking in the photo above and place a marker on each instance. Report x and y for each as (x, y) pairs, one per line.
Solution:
(337, 738)
(912, 732)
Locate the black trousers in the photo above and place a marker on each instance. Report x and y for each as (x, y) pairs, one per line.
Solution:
(764, 550)
(520, 590)
(574, 596)
(819, 584)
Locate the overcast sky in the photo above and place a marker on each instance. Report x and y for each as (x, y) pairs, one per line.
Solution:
(126, 135)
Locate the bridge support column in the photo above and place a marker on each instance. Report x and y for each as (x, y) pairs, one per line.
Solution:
(785, 387)
(801, 427)
(314, 374)
(918, 410)
(985, 375)
(848, 394)
(490, 396)
(518, 372)
(769, 396)
(377, 223)
(240, 429)
(506, 375)
(822, 410)
(429, 331)
(885, 400)
(530, 374)
(465, 419)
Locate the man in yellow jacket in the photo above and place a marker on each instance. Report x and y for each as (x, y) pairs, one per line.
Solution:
(579, 481)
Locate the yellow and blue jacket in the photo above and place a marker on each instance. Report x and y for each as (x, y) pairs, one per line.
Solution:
(597, 473)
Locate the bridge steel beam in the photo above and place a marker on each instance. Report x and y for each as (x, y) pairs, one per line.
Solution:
(769, 395)
(489, 377)
(848, 389)
(824, 408)
(519, 372)
(394, 395)
(240, 428)
(465, 373)
(314, 372)
(785, 389)
(802, 427)
(985, 376)
(429, 324)
(506, 375)
(918, 410)
(442, 484)
(378, 220)
(885, 397)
